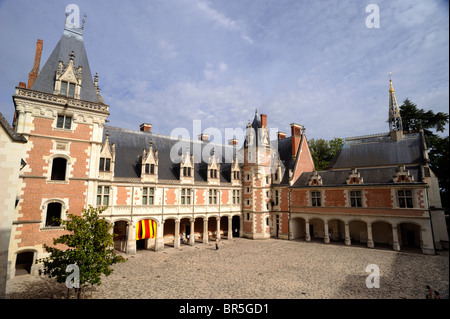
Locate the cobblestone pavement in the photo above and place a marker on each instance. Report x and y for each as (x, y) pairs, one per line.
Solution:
(271, 268)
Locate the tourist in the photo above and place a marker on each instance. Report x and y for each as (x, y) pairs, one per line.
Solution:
(217, 243)
(436, 295)
(181, 239)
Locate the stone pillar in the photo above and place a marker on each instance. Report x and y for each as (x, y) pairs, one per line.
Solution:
(307, 234)
(205, 231)
(176, 242)
(395, 243)
(159, 241)
(230, 228)
(326, 237)
(426, 241)
(370, 243)
(131, 239)
(191, 235)
(218, 227)
(348, 242)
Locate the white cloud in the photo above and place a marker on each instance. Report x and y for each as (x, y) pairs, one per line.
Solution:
(221, 20)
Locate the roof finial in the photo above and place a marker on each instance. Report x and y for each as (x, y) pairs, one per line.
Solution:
(83, 21)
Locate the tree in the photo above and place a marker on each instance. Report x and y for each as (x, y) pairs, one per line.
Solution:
(88, 246)
(414, 119)
(323, 151)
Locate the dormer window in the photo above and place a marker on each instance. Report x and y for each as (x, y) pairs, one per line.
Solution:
(213, 173)
(149, 168)
(105, 164)
(68, 79)
(186, 171)
(67, 89)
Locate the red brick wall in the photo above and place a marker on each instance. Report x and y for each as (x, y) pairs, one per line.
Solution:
(334, 197)
(225, 196)
(299, 198)
(123, 193)
(200, 197)
(284, 199)
(305, 162)
(171, 198)
(378, 197)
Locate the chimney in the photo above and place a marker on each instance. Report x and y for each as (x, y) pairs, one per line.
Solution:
(281, 135)
(296, 135)
(263, 120)
(37, 61)
(203, 137)
(233, 142)
(146, 127)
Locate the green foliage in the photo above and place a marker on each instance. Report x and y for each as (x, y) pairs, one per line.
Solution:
(89, 245)
(414, 119)
(323, 151)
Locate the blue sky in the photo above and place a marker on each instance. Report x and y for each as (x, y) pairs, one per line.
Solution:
(310, 62)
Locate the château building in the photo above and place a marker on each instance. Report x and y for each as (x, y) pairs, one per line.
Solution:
(162, 192)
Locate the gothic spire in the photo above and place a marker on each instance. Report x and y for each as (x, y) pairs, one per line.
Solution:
(395, 120)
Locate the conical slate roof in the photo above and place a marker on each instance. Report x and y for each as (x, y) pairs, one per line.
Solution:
(70, 41)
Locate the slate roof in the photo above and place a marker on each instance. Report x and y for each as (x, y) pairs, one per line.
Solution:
(46, 78)
(379, 150)
(130, 144)
(14, 136)
(284, 148)
(371, 176)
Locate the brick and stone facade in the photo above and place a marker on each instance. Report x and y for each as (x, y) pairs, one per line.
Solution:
(374, 192)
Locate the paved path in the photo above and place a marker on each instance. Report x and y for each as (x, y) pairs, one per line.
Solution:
(259, 269)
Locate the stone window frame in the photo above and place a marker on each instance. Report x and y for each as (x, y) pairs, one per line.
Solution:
(148, 195)
(44, 208)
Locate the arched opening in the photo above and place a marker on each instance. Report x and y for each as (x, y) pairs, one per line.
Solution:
(185, 230)
(169, 232)
(120, 232)
(236, 224)
(198, 229)
(298, 228)
(316, 229)
(212, 227)
(24, 261)
(336, 230)
(223, 227)
(59, 169)
(382, 234)
(358, 232)
(146, 231)
(409, 236)
(53, 214)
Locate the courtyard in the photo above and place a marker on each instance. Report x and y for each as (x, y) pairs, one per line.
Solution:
(253, 269)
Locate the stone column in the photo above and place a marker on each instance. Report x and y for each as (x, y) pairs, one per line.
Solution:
(370, 243)
(348, 241)
(205, 231)
(326, 237)
(218, 227)
(176, 242)
(191, 235)
(395, 243)
(131, 239)
(307, 234)
(159, 241)
(230, 228)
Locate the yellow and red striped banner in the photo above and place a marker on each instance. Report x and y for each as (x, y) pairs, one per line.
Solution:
(145, 229)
